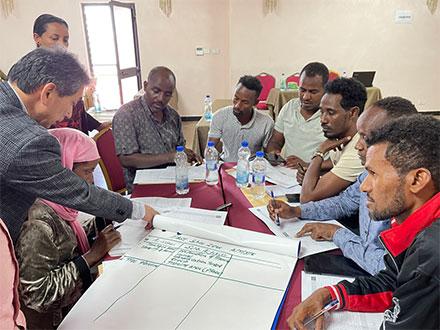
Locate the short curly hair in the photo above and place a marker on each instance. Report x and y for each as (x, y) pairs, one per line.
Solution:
(353, 92)
(413, 142)
(252, 83)
(396, 106)
(314, 69)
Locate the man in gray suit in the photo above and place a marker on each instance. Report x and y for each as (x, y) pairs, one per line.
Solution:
(41, 89)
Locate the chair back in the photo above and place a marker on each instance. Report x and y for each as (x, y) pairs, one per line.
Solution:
(332, 75)
(293, 78)
(268, 82)
(109, 162)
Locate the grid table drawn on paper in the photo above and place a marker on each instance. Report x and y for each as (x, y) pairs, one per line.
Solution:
(200, 276)
(132, 231)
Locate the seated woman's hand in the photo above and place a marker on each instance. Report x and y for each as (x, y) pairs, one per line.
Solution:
(105, 241)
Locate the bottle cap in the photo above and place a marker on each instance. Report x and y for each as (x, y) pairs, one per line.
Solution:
(207, 96)
(260, 154)
(179, 148)
(244, 144)
(210, 144)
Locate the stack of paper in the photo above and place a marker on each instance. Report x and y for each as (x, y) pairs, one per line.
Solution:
(279, 191)
(288, 228)
(167, 175)
(280, 175)
(195, 173)
(338, 320)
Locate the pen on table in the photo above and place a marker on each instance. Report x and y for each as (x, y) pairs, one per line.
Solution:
(324, 309)
(274, 205)
(301, 167)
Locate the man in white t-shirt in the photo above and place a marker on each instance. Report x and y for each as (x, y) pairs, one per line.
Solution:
(343, 101)
(298, 125)
(241, 122)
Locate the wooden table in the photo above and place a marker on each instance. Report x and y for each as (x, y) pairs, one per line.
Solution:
(277, 98)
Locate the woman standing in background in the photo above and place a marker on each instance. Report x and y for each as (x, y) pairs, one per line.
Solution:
(50, 30)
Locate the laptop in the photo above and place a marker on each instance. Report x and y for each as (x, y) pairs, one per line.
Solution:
(365, 77)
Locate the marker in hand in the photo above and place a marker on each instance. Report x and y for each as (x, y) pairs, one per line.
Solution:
(274, 205)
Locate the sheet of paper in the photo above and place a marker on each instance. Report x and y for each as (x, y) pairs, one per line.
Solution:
(279, 191)
(150, 176)
(280, 175)
(338, 320)
(163, 204)
(167, 175)
(171, 281)
(132, 231)
(230, 235)
(288, 228)
(195, 173)
(197, 215)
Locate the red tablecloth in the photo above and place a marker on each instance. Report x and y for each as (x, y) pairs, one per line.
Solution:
(209, 198)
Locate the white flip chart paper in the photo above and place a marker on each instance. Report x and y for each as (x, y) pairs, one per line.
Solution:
(172, 281)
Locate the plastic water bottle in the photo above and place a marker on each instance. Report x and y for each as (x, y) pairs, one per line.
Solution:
(96, 101)
(258, 176)
(283, 82)
(344, 74)
(211, 159)
(208, 108)
(182, 186)
(242, 174)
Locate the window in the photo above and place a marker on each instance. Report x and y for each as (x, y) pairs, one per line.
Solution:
(113, 51)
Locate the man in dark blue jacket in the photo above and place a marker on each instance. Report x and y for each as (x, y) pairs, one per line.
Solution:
(403, 182)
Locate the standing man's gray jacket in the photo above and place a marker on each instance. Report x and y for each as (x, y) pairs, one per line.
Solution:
(30, 167)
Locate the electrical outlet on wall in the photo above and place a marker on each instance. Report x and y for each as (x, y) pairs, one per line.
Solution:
(199, 51)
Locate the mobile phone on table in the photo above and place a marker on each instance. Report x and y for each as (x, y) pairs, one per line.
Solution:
(274, 158)
(292, 198)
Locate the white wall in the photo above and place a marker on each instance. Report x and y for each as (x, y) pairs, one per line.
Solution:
(347, 35)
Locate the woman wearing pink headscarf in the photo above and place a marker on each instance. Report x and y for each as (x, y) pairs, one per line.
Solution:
(53, 249)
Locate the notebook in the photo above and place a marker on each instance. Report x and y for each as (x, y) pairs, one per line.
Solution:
(365, 77)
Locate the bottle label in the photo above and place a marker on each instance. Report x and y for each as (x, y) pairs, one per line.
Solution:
(211, 166)
(182, 184)
(242, 177)
(258, 178)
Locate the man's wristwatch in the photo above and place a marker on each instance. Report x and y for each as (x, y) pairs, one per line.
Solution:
(318, 153)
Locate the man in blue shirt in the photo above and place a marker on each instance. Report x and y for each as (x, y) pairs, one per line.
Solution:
(365, 249)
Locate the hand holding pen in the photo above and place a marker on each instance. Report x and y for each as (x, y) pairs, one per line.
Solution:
(274, 206)
(324, 309)
(312, 309)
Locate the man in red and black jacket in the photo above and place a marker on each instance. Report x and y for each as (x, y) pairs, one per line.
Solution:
(403, 182)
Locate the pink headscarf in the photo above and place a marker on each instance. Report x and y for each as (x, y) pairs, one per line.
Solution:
(76, 147)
